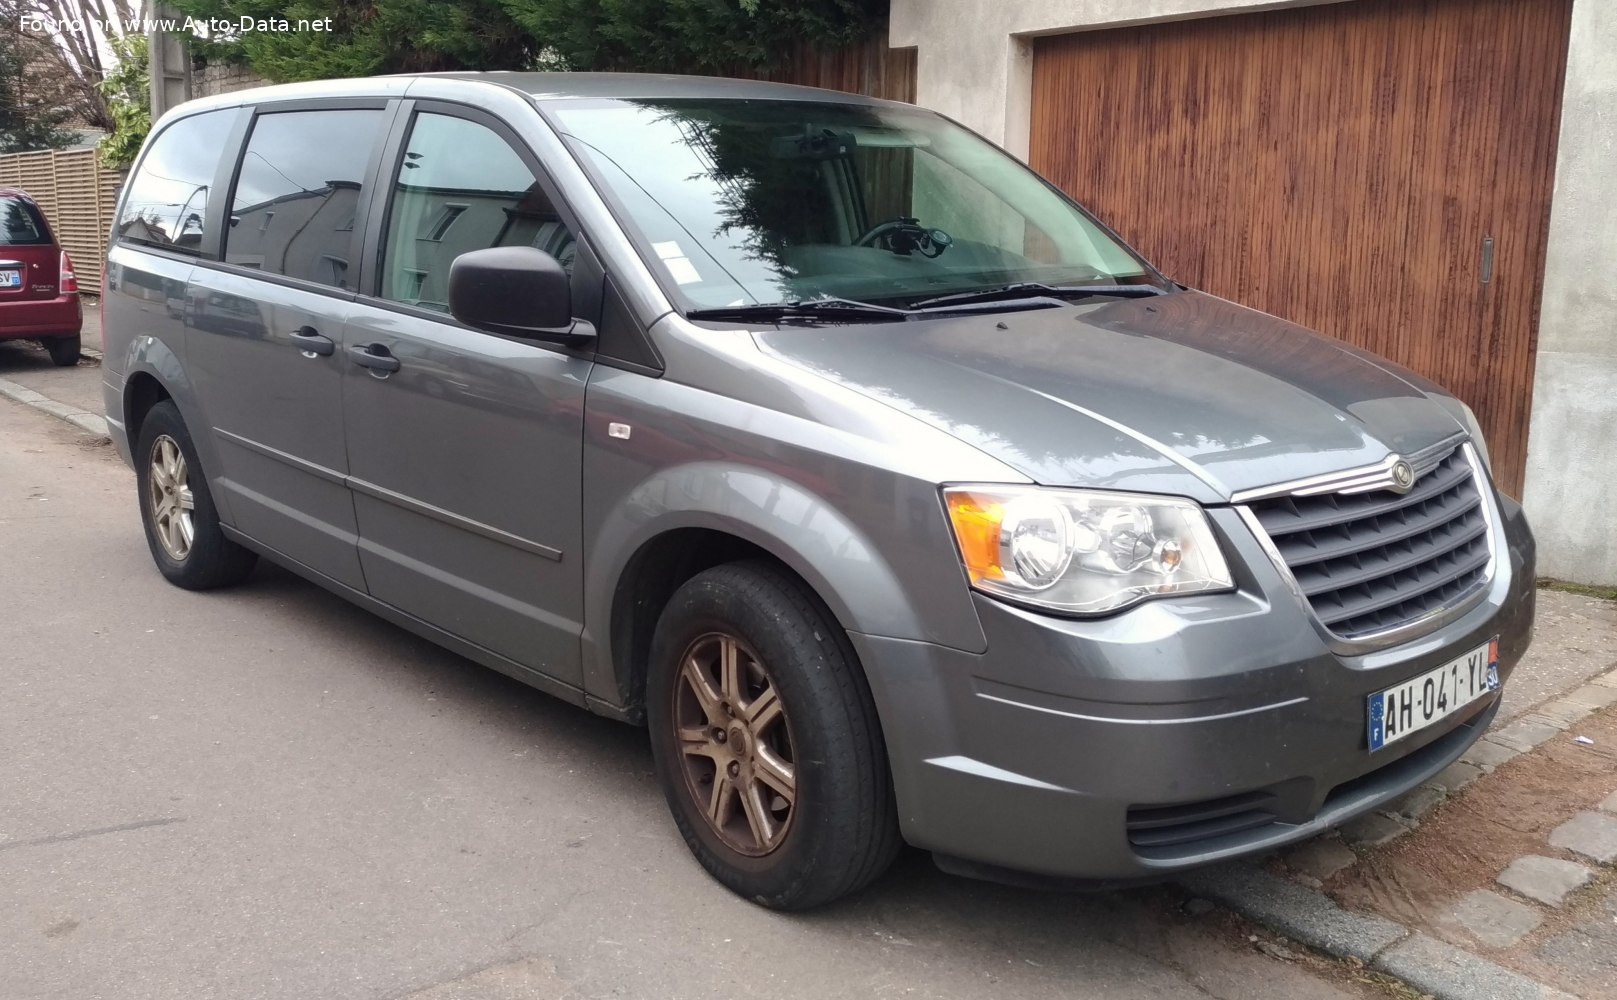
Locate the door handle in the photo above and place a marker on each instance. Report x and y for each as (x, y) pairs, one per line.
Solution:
(373, 356)
(308, 340)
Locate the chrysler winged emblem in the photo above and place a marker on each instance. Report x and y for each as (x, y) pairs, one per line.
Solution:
(1403, 476)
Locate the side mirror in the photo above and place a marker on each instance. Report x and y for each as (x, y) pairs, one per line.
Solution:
(517, 291)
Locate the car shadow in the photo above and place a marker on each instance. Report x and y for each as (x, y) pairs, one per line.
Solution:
(23, 356)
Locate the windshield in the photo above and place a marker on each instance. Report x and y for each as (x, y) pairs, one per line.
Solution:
(743, 202)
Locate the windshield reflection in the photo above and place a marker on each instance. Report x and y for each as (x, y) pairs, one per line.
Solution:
(741, 202)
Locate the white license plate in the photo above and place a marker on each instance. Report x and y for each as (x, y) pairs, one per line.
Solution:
(10, 279)
(1433, 696)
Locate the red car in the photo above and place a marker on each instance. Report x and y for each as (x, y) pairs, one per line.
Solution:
(39, 294)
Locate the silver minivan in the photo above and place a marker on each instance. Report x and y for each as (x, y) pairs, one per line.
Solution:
(897, 497)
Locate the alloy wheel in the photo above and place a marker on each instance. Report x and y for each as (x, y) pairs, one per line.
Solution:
(168, 488)
(735, 744)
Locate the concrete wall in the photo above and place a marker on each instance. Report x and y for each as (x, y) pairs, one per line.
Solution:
(975, 64)
(1572, 437)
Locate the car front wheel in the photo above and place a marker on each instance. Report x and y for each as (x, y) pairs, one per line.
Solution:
(766, 741)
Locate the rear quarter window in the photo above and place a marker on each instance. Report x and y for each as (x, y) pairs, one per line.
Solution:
(166, 204)
(21, 224)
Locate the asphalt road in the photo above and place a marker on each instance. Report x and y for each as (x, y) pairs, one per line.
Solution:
(269, 793)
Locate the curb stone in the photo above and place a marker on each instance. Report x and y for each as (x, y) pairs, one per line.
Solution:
(84, 420)
(1440, 970)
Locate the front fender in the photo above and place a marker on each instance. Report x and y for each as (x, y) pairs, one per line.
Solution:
(800, 528)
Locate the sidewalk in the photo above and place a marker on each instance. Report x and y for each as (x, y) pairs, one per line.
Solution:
(74, 394)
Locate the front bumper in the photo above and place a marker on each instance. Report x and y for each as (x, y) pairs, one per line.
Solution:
(1179, 733)
(61, 316)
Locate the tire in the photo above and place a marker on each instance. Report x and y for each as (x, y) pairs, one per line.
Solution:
(840, 829)
(64, 351)
(209, 559)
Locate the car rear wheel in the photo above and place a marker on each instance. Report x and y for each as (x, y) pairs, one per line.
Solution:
(766, 740)
(182, 524)
(64, 351)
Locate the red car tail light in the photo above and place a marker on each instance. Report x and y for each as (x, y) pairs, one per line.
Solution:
(68, 282)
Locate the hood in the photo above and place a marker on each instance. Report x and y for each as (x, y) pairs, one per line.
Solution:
(1183, 393)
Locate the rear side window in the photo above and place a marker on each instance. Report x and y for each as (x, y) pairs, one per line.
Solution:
(297, 192)
(20, 224)
(167, 202)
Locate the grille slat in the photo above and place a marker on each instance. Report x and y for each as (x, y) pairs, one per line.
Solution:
(1289, 515)
(1473, 562)
(1167, 826)
(1353, 537)
(1316, 579)
(1374, 561)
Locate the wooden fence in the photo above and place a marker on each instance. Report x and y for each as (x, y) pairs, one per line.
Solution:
(77, 195)
(868, 67)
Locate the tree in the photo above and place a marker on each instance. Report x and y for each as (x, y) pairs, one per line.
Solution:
(32, 105)
(387, 36)
(79, 30)
(689, 36)
(373, 36)
(127, 90)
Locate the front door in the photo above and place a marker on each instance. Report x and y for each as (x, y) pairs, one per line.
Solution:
(464, 448)
(263, 330)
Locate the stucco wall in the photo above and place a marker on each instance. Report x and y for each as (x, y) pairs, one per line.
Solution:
(1571, 492)
(974, 63)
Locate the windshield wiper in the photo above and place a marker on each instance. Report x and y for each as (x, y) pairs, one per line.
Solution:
(1034, 289)
(826, 310)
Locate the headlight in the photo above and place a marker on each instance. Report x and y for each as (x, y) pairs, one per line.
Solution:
(1082, 551)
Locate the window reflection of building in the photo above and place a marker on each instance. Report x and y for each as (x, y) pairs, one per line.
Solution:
(434, 225)
(305, 234)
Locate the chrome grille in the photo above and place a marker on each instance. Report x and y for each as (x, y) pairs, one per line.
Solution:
(1370, 562)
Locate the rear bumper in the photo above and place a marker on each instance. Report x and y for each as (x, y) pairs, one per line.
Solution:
(58, 317)
(1177, 734)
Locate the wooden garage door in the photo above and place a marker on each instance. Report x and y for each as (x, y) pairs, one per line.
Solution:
(1379, 170)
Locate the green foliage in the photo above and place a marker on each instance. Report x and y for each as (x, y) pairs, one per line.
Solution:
(373, 36)
(391, 36)
(32, 110)
(128, 91)
(688, 36)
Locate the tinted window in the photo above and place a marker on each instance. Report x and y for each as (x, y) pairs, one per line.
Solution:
(167, 201)
(461, 187)
(297, 191)
(20, 224)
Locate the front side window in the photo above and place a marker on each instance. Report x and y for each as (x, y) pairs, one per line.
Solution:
(743, 202)
(461, 187)
(166, 204)
(20, 223)
(298, 188)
